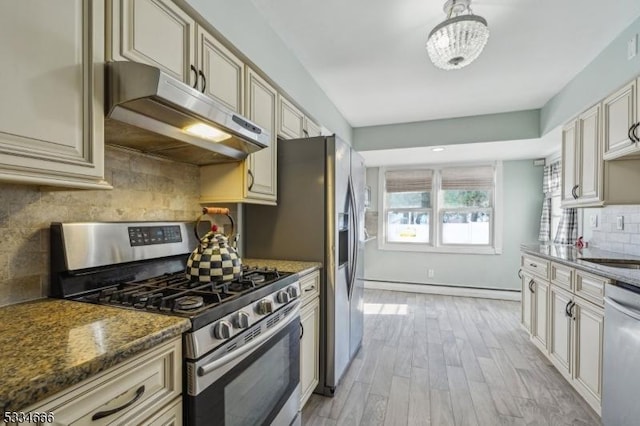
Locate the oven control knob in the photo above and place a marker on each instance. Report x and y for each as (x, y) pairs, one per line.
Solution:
(294, 292)
(222, 330)
(265, 306)
(241, 320)
(283, 297)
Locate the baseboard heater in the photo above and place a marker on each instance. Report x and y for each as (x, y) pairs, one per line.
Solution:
(445, 289)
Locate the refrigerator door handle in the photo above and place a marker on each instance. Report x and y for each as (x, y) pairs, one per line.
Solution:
(354, 234)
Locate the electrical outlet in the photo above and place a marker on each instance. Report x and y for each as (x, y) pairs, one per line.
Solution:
(620, 223)
(593, 220)
(430, 273)
(632, 47)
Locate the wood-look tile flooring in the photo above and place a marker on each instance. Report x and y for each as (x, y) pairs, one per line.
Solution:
(441, 360)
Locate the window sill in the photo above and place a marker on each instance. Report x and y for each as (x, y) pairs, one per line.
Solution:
(442, 249)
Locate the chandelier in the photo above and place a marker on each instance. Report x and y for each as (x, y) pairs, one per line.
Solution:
(458, 40)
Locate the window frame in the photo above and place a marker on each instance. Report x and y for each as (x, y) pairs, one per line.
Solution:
(437, 209)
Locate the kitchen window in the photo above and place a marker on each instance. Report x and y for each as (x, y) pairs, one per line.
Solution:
(408, 209)
(453, 209)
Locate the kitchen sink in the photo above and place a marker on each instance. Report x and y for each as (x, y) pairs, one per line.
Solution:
(615, 263)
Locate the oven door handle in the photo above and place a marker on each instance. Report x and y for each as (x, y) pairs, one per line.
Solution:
(220, 362)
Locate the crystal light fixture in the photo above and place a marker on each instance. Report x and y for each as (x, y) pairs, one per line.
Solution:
(458, 40)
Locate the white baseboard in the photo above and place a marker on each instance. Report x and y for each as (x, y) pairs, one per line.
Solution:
(444, 290)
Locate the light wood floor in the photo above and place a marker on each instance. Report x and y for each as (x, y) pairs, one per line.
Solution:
(442, 360)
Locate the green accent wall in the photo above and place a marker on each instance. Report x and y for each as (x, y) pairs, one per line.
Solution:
(607, 72)
(243, 26)
(522, 201)
(481, 128)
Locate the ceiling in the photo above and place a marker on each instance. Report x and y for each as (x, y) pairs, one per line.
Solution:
(369, 56)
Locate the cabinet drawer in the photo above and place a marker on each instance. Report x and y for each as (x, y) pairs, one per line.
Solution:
(562, 276)
(310, 286)
(590, 287)
(144, 384)
(535, 265)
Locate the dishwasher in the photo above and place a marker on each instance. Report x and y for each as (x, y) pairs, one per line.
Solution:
(621, 376)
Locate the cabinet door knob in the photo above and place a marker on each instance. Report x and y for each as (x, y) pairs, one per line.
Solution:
(195, 72)
(566, 308)
(632, 133)
(531, 283)
(250, 173)
(102, 414)
(574, 191)
(204, 80)
(520, 273)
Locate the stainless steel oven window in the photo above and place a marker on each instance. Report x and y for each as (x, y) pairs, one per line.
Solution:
(253, 389)
(252, 394)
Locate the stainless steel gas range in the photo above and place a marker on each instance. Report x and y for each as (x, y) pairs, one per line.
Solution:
(241, 363)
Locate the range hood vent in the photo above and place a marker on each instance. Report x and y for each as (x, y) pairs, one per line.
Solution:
(152, 112)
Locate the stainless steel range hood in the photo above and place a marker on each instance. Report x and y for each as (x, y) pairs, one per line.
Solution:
(152, 112)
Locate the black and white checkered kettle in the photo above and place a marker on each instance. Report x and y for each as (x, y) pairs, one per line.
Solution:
(215, 260)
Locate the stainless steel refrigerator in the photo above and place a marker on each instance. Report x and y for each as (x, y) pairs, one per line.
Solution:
(319, 217)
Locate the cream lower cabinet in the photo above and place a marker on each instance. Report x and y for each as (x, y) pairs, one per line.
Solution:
(535, 307)
(255, 179)
(540, 309)
(560, 330)
(576, 342)
(310, 340)
(52, 86)
(588, 344)
(146, 390)
(527, 301)
(567, 326)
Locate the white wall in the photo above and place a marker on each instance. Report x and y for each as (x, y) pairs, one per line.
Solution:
(243, 26)
(522, 199)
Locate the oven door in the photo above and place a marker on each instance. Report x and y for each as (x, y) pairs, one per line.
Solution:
(257, 383)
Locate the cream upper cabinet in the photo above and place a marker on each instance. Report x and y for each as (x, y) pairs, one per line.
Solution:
(619, 115)
(311, 129)
(582, 165)
(590, 157)
(290, 120)
(255, 179)
(588, 180)
(154, 32)
(223, 72)
(570, 152)
(51, 83)
(261, 109)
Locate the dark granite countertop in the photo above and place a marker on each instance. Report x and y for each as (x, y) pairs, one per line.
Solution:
(49, 345)
(295, 266)
(570, 255)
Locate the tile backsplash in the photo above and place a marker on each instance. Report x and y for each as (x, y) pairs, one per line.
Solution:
(606, 236)
(145, 188)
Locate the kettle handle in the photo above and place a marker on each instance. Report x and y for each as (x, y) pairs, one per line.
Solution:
(214, 210)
